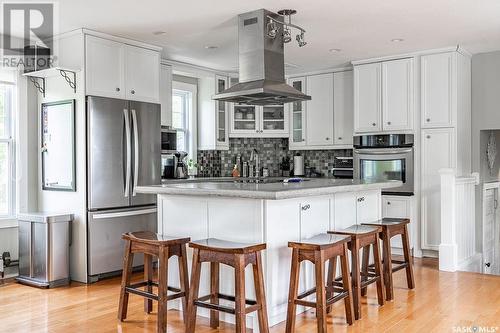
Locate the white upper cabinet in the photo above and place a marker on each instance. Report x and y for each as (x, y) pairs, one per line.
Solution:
(343, 108)
(104, 62)
(118, 70)
(221, 84)
(166, 95)
(367, 98)
(397, 94)
(438, 90)
(297, 112)
(142, 74)
(319, 115)
(251, 121)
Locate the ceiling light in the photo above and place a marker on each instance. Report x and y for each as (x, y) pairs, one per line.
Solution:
(211, 47)
(287, 37)
(397, 40)
(272, 29)
(334, 50)
(157, 33)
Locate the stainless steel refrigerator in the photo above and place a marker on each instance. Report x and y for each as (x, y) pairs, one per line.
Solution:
(123, 151)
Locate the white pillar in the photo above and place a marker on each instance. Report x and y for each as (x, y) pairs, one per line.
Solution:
(448, 247)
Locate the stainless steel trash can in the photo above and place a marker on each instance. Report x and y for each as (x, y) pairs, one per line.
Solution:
(44, 241)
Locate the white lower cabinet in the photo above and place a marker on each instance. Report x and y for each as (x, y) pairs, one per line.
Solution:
(355, 208)
(438, 151)
(394, 206)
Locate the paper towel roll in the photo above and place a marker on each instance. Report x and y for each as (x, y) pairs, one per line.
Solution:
(298, 165)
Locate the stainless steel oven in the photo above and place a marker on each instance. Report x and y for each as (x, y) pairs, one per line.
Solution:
(385, 157)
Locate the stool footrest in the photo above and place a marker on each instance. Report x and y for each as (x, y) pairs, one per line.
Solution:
(341, 295)
(400, 265)
(134, 289)
(201, 303)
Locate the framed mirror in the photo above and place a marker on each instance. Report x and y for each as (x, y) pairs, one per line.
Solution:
(58, 146)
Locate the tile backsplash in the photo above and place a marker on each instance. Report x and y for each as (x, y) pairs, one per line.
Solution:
(214, 163)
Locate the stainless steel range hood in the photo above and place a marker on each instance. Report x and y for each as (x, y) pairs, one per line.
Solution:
(262, 65)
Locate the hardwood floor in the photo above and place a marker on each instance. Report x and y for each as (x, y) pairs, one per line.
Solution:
(440, 302)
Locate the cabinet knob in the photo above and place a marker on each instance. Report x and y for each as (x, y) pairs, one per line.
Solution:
(388, 202)
(361, 199)
(303, 139)
(428, 136)
(428, 119)
(340, 138)
(374, 124)
(388, 123)
(327, 139)
(117, 89)
(256, 131)
(306, 207)
(132, 92)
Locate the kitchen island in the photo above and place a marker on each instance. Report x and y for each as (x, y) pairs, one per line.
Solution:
(270, 212)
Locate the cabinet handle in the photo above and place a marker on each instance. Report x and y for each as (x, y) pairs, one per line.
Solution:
(303, 139)
(388, 202)
(428, 136)
(117, 89)
(487, 264)
(306, 207)
(132, 92)
(374, 124)
(428, 119)
(361, 199)
(340, 138)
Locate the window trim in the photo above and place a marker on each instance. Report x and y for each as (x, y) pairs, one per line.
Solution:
(9, 220)
(191, 118)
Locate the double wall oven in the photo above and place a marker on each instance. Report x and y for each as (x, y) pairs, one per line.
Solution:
(385, 157)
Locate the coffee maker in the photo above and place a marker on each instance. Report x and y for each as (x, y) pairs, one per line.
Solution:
(174, 165)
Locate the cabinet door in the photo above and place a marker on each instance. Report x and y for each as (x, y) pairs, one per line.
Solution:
(142, 74)
(368, 207)
(314, 217)
(438, 151)
(273, 120)
(297, 115)
(438, 90)
(166, 95)
(244, 120)
(367, 98)
(319, 116)
(104, 62)
(343, 108)
(397, 94)
(398, 207)
(221, 84)
(344, 210)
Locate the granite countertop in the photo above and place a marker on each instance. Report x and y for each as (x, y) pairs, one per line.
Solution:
(273, 189)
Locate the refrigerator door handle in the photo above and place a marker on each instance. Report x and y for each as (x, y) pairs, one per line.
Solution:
(124, 214)
(136, 152)
(129, 152)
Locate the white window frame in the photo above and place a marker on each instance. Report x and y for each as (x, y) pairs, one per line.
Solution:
(7, 219)
(190, 130)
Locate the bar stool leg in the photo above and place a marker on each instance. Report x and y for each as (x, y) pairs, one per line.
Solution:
(292, 294)
(193, 291)
(330, 279)
(346, 281)
(184, 281)
(214, 291)
(388, 266)
(128, 259)
(319, 267)
(406, 251)
(356, 278)
(260, 294)
(364, 267)
(379, 271)
(240, 293)
(162, 289)
(148, 277)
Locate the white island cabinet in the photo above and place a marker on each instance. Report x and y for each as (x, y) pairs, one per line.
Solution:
(273, 213)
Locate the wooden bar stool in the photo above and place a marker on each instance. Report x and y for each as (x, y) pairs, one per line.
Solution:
(163, 247)
(364, 237)
(237, 255)
(317, 250)
(391, 227)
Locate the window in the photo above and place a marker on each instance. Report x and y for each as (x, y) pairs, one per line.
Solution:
(7, 95)
(184, 116)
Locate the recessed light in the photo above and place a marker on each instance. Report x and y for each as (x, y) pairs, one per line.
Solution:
(211, 47)
(334, 50)
(157, 33)
(397, 40)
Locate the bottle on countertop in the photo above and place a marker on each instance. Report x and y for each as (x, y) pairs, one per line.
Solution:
(236, 171)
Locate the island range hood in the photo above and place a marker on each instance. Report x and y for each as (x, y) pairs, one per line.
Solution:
(262, 65)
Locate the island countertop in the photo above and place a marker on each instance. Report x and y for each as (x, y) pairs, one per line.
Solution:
(271, 189)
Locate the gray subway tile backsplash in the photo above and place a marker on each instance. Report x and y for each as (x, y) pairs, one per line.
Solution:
(214, 163)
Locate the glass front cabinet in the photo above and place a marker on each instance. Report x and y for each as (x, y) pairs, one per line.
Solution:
(258, 121)
(297, 114)
(221, 108)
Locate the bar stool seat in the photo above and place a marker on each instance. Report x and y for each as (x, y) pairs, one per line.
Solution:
(319, 249)
(364, 237)
(390, 227)
(163, 247)
(238, 255)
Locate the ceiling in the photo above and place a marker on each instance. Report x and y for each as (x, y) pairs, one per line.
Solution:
(360, 28)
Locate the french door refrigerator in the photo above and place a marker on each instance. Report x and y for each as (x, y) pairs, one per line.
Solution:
(123, 151)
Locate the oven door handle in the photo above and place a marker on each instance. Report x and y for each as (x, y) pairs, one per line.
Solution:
(383, 151)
